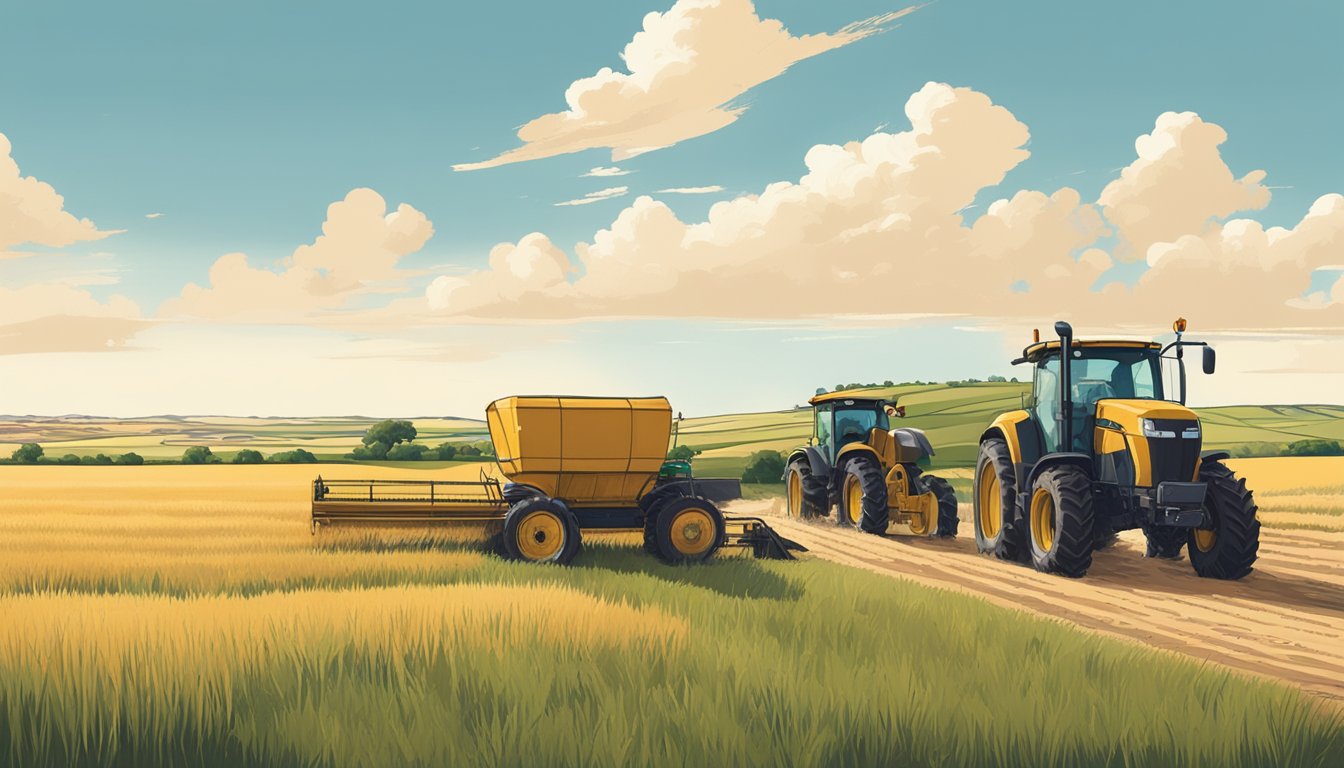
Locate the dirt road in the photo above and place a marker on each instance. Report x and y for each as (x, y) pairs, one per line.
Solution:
(1285, 620)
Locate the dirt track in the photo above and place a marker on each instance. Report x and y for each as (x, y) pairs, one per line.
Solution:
(1285, 620)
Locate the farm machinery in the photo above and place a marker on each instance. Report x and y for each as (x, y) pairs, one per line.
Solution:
(867, 471)
(574, 464)
(1101, 447)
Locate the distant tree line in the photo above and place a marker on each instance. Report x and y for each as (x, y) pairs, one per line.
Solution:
(996, 379)
(394, 440)
(33, 453)
(1309, 447)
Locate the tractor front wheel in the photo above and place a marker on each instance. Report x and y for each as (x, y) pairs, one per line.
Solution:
(688, 529)
(805, 494)
(1227, 549)
(996, 526)
(1059, 523)
(947, 505)
(863, 496)
(541, 530)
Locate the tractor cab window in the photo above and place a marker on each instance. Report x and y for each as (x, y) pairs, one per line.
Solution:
(823, 429)
(1096, 373)
(852, 424)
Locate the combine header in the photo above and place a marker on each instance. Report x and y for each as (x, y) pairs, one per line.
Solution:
(574, 464)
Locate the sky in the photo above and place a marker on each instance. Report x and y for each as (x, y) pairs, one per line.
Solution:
(300, 208)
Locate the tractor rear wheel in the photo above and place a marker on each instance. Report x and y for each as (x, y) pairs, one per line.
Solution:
(1228, 548)
(947, 505)
(863, 496)
(541, 530)
(1164, 541)
(689, 529)
(805, 494)
(997, 531)
(1060, 521)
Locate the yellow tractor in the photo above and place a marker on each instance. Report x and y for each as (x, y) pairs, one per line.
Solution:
(1105, 445)
(855, 461)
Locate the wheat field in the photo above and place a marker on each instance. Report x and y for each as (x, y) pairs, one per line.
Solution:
(172, 615)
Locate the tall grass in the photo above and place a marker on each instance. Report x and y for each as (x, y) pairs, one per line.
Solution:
(244, 641)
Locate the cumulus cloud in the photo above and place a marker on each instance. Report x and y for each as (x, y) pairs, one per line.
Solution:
(357, 253)
(31, 211)
(690, 190)
(598, 196)
(878, 228)
(59, 317)
(686, 68)
(601, 172)
(1176, 186)
(153, 215)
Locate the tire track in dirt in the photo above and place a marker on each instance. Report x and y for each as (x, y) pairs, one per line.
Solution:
(1285, 620)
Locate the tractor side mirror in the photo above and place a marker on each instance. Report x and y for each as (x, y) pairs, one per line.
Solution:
(1210, 359)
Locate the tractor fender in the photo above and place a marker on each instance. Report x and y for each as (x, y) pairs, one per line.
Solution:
(854, 449)
(816, 462)
(1063, 458)
(1214, 456)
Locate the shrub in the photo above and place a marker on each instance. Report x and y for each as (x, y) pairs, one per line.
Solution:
(375, 452)
(469, 451)
(406, 452)
(131, 459)
(28, 453)
(388, 433)
(764, 467)
(248, 456)
(68, 458)
(446, 451)
(199, 454)
(683, 452)
(1314, 447)
(296, 456)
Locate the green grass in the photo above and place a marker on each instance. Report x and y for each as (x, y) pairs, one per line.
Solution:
(804, 663)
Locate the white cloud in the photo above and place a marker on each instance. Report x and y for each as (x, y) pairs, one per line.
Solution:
(686, 69)
(31, 211)
(876, 228)
(358, 253)
(691, 190)
(58, 317)
(153, 215)
(598, 196)
(1176, 186)
(601, 172)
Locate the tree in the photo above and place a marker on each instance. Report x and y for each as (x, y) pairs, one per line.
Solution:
(199, 454)
(103, 459)
(68, 458)
(469, 450)
(388, 433)
(764, 467)
(248, 456)
(131, 459)
(888, 383)
(406, 452)
(682, 453)
(296, 456)
(446, 451)
(28, 453)
(997, 379)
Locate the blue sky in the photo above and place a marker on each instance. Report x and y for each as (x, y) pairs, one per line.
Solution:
(241, 122)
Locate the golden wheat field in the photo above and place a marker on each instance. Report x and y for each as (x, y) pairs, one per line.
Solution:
(171, 615)
(1300, 492)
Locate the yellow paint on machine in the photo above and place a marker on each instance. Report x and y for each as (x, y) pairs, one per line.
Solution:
(1129, 415)
(1006, 424)
(594, 449)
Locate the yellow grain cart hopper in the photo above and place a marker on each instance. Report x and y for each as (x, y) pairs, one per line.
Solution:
(574, 464)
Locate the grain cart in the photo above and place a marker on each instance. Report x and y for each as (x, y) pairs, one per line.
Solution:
(871, 472)
(574, 464)
(1103, 446)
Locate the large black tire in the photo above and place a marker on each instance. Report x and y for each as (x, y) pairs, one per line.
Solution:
(998, 529)
(1228, 550)
(688, 529)
(804, 494)
(947, 505)
(1164, 541)
(867, 510)
(1060, 522)
(541, 530)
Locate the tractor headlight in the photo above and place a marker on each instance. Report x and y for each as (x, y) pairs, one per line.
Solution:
(1150, 429)
(1191, 433)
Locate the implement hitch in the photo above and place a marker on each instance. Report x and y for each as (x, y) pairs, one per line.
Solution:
(761, 538)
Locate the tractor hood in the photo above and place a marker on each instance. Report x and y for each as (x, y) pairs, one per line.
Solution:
(1128, 414)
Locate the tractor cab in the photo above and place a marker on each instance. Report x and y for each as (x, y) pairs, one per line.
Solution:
(838, 421)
